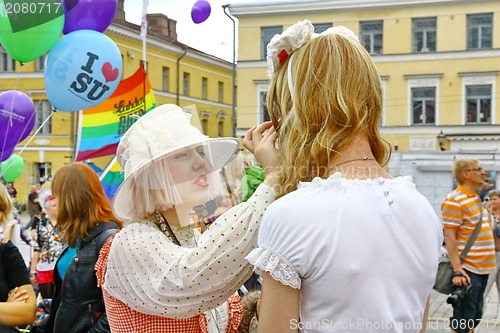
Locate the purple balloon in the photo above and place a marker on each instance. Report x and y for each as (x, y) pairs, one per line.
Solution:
(17, 117)
(6, 153)
(94, 15)
(201, 11)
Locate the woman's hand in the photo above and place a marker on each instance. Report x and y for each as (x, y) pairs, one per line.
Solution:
(261, 141)
(18, 295)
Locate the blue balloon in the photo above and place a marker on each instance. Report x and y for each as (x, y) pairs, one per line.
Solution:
(82, 70)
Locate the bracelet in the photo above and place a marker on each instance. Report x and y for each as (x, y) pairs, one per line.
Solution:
(33, 274)
(457, 273)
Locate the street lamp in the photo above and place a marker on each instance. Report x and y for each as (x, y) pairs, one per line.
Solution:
(441, 140)
(233, 116)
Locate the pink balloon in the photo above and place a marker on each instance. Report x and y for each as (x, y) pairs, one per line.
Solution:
(201, 11)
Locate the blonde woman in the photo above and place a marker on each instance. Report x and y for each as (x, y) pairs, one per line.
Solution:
(17, 297)
(345, 242)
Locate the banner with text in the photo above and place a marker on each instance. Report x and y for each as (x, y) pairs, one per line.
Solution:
(101, 127)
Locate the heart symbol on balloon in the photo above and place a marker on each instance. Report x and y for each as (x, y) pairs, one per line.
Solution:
(110, 73)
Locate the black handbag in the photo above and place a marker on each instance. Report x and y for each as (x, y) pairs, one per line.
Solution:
(444, 275)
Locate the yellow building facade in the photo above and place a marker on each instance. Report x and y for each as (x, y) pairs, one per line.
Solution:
(178, 73)
(438, 62)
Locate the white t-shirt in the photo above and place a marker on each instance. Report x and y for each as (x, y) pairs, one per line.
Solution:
(364, 253)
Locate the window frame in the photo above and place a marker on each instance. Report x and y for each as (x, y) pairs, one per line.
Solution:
(185, 83)
(321, 27)
(423, 101)
(43, 110)
(7, 63)
(471, 79)
(425, 34)
(266, 38)
(479, 33)
(204, 88)
(423, 82)
(220, 92)
(165, 78)
(371, 34)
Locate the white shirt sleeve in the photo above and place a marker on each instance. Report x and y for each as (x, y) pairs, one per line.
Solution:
(150, 274)
(277, 240)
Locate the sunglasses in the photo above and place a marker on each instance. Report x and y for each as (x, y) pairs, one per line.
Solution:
(475, 169)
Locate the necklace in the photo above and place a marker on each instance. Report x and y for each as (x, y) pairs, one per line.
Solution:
(366, 158)
(163, 225)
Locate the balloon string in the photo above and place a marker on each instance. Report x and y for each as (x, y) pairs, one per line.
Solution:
(37, 130)
(27, 143)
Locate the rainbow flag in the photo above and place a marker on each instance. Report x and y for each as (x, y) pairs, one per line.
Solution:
(102, 126)
(111, 178)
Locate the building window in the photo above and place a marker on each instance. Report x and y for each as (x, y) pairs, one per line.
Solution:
(423, 105)
(204, 115)
(221, 117)
(43, 111)
(319, 28)
(204, 84)
(220, 95)
(479, 31)
(372, 36)
(267, 33)
(7, 64)
(165, 76)
(42, 172)
(40, 63)
(263, 113)
(424, 35)
(185, 83)
(478, 104)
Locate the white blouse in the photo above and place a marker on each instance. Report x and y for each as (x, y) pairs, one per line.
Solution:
(150, 274)
(364, 253)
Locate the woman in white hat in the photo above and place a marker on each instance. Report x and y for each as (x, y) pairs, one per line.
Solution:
(158, 274)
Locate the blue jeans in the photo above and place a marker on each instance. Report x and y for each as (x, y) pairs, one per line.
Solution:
(467, 314)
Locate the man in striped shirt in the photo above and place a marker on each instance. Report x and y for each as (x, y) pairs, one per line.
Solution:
(461, 213)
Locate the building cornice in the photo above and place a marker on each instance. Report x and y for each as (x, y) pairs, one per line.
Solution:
(410, 57)
(281, 8)
(452, 130)
(23, 75)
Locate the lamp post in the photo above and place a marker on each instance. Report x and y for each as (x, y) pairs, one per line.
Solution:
(441, 140)
(233, 115)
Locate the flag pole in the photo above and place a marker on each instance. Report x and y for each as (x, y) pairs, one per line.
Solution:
(144, 30)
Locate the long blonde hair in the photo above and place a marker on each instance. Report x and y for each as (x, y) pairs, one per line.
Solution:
(337, 95)
(5, 205)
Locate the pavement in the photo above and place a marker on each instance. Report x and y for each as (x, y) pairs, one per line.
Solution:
(439, 311)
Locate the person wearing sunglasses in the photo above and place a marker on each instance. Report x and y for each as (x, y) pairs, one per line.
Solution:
(462, 211)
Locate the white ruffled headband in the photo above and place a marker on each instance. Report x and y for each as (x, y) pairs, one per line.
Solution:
(283, 46)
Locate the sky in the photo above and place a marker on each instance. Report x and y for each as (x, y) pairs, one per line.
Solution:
(213, 36)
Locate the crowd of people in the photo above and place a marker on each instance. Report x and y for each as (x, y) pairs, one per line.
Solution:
(148, 262)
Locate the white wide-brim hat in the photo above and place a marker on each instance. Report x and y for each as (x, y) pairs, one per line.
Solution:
(158, 133)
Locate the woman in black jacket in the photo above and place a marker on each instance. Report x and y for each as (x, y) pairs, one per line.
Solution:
(85, 222)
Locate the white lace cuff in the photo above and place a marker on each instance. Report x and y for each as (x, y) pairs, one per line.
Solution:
(279, 268)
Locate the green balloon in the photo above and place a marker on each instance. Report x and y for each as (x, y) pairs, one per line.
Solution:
(12, 168)
(28, 29)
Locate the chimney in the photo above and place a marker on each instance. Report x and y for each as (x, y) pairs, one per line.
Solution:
(120, 11)
(161, 26)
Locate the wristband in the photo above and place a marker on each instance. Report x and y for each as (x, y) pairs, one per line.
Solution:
(33, 274)
(457, 273)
